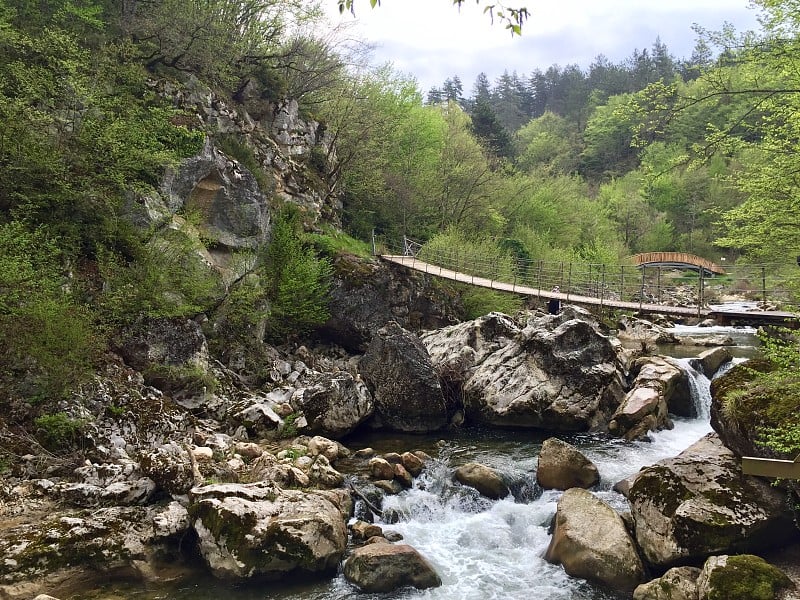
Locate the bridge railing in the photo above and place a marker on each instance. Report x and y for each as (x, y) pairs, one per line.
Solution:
(763, 285)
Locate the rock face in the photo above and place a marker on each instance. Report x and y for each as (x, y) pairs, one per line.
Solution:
(366, 295)
(679, 583)
(403, 382)
(385, 567)
(659, 387)
(555, 373)
(743, 576)
(334, 404)
(258, 530)
(483, 479)
(562, 466)
(590, 540)
(162, 341)
(699, 504)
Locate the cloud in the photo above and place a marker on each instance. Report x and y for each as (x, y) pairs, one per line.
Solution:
(432, 40)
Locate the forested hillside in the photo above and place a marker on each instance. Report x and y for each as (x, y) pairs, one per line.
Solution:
(591, 165)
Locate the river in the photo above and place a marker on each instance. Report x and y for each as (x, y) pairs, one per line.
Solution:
(482, 549)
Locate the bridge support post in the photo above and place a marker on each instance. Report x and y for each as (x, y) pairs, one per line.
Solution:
(701, 285)
(602, 286)
(622, 282)
(764, 288)
(658, 285)
(641, 289)
(539, 280)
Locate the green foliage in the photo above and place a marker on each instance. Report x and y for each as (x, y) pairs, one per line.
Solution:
(187, 379)
(49, 339)
(58, 431)
(298, 280)
(482, 301)
(288, 428)
(332, 243)
(747, 577)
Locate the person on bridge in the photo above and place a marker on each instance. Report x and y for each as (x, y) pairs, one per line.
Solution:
(554, 304)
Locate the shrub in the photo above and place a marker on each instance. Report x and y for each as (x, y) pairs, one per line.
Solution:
(58, 431)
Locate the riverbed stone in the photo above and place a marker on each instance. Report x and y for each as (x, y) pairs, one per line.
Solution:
(555, 373)
(709, 361)
(484, 479)
(250, 530)
(641, 330)
(405, 386)
(562, 466)
(699, 504)
(679, 583)
(591, 541)
(387, 567)
(743, 576)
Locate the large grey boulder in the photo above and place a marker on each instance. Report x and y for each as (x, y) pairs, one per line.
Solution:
(658, 387)
(334, 404)
(384, 567)
(591, 541)
(404, 384)
(679, 583)
(252, 530)
(366, 294)
(699, 503)
(90, 540)
(554, 373)
(744, 577)
(487, 481)
(562, 466)
(171, 467)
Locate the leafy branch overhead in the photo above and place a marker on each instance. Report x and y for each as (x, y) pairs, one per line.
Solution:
(512, 17)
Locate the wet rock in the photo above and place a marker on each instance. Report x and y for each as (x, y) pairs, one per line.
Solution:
(362, 530)
(483, 479)
(590, 540)
(412, 463)
(403, 382)
(679, 583)
(403, 476)
(659, 387)
(387, 567)
(323, 474)
(743, 576)
(248, 530)
(710, 361)
(562, 466)
(554, 374)
(320, 446)
(706, 340)
(640, 330)
(380, 468)
(699, 504)
(334, 404)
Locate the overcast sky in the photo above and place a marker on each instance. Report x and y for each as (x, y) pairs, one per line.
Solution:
(432, 40)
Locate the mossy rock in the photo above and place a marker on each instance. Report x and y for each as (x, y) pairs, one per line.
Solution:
(742, 577)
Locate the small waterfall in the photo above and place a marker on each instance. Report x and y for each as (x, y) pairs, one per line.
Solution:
(700, 386)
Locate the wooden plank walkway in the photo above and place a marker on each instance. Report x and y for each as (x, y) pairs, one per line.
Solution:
(725, 316)
(644, 307)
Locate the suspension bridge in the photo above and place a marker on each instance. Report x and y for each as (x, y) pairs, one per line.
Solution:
(674, 284)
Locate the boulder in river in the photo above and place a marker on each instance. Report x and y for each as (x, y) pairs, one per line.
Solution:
(591, 541)
(699, 503)
(334, 404)
(260, 530)
(709, 361)
(405, 386)
(555, 373)
(562, 466)
(487, 481)
(386, 567)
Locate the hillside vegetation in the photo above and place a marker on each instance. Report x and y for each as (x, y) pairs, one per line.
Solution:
(654, 153)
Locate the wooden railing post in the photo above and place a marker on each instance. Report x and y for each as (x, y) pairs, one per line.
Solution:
(622, 283)
(764, 288)
(641, 289)
(700, 294)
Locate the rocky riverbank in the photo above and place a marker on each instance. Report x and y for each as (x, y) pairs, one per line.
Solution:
(252, 484)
